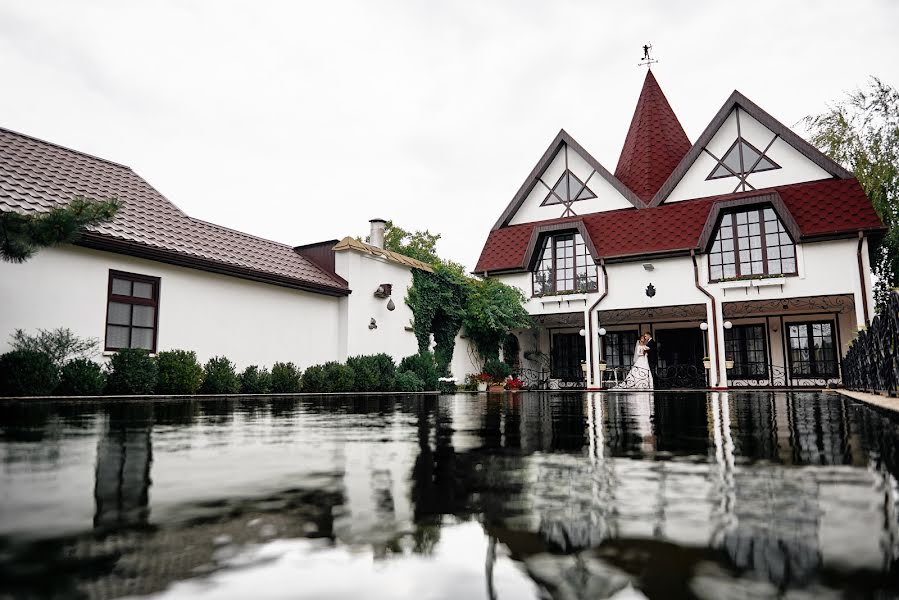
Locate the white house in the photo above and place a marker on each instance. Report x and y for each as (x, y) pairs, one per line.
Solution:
(159, 279)
(748, 246)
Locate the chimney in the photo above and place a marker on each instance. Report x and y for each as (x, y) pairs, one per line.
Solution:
(376, 238)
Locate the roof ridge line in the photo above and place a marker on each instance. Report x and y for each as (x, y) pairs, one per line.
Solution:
(66, 148)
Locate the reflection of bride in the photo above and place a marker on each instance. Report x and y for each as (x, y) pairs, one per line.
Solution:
(639, 377)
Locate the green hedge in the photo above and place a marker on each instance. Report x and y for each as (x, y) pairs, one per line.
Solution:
(286, 378)
(423, 365)
(131, 371)
(254, 380)
(220, 377)
(27, 373)
(81, 377)
(407, 381)
(179, 372)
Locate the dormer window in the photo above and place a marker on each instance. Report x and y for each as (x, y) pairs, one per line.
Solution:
(751, 242)
(740, 160)
(565, 265)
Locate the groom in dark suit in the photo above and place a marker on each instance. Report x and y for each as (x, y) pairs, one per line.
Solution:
(652, 355)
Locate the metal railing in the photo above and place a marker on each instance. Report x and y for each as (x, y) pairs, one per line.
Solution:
(871, 364)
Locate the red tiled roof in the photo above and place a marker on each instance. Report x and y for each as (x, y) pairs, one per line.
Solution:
(654, 145)
(820, 208)
(36, 176)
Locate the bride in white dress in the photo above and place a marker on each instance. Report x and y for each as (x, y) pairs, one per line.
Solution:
(639, 377)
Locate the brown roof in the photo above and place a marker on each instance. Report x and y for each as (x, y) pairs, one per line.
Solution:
(349, 243)
(654, 145)
(36, 176)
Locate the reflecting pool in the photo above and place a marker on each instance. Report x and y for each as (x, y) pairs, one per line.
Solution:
(532, 495)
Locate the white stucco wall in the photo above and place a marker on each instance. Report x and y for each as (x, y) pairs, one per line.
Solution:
(366, 272)
(249, 322)
(795, 167)
(607, 197)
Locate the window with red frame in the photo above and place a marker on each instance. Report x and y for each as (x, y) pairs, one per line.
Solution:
(751, 242)
(132, 311)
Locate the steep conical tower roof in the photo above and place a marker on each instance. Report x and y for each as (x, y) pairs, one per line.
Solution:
(655, 143)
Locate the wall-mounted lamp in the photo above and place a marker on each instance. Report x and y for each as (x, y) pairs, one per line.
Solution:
(391, 305)
(704, 326)
(582, 333)
(373, 324)
(384, 290)
(774, 327)
(602, 331)
(728, 324)
(648, 266)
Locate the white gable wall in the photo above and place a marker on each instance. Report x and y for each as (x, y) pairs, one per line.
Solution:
(211, 314)
(607, 197)
(795, 167)
(366, 272)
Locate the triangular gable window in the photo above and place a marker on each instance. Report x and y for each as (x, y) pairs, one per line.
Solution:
(753, 161)
(568, 189)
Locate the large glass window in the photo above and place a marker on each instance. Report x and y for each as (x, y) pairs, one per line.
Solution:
(751, 242)
(745, 345)
(813, 350)
(618, 348)
(132, 311)
(565, 265)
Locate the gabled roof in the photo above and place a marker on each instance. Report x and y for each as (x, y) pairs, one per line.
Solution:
(350, 243)
(532, 178)
(737, 99)
(654, 145)
(820, 209)
(36, 176)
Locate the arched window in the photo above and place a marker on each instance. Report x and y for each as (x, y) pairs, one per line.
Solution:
(565, 265)
(751, 242)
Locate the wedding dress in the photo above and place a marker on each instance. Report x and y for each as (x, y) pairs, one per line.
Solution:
(639, 377)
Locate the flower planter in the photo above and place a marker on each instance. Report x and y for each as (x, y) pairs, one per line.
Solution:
(495, 388)
(707, 364)
(729, 364)
(482, 386)
(602, 367)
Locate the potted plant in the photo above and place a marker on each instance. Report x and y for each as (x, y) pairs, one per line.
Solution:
(498, 372)
(482, 380)
(706, 362)
(729, 363)
(602, 365)
(514, 384)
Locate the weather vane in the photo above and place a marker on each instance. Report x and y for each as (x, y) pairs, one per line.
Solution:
(647, 61)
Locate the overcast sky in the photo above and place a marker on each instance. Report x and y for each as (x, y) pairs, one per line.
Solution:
(299, 121)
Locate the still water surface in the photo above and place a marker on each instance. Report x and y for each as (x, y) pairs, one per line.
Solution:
(740, 495)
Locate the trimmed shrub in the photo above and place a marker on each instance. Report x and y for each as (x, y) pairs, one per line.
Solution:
(254, 380)
(372, 373)
(329, 377)
(314, 379)
(27, 373)
(81, 377)
(338, 377)
(407, 381)
(386, 372)
(285, 378)
(422, 364)
(131, 371)
(497, 369)
(220, 377)
(179, 372)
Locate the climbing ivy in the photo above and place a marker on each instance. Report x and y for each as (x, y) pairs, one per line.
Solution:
(492, 311)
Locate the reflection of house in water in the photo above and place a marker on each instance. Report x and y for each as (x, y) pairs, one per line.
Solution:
(124, 455)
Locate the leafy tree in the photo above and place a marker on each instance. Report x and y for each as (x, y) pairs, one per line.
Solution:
(59, 344)
(254, 380)
(420, 245)
(21, 235)
(861, 132)
(493, 309)
(438, 303)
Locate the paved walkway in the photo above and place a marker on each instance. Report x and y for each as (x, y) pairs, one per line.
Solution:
(891, 404)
